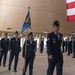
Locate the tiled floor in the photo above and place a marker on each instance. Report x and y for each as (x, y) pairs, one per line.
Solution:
(40, 65)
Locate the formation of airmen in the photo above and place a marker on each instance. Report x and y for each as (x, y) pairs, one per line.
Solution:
(13, 46)
(68, 45)
(54, 53)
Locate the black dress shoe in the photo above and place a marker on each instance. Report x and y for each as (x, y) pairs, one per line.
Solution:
(73, 57)
(9, 69)
(15, 70)
(68, 54)
(23, 74)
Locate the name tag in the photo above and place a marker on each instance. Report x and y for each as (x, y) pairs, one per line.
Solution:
(53, 39)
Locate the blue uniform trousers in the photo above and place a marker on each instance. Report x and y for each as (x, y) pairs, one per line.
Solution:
(51, 65)
(3, 53)
(12, 55)
(29, 61)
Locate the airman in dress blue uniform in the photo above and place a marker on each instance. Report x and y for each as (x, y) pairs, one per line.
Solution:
(5, 47)
(29, 54)
(14, 51)
(73, 42)
(66, 45)
(41, 45)
(55, 57)
(0, 49)
(69, 46)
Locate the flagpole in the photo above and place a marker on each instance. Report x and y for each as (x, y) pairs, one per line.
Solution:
(26, 36)
(26, 41)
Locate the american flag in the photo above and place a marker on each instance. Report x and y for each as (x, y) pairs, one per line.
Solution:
(70, 4)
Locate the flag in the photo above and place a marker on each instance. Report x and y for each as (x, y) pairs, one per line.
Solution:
(70, 4)
(27, 22)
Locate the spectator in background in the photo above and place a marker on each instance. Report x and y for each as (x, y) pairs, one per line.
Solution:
(41, 45)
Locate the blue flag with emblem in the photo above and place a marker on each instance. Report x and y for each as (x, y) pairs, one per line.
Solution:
(27, 22)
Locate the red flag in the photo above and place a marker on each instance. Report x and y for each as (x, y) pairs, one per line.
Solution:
(70, 4)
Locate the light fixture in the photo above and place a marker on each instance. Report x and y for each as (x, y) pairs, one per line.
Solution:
(46, 31)
(20, 34)
(9, 28)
